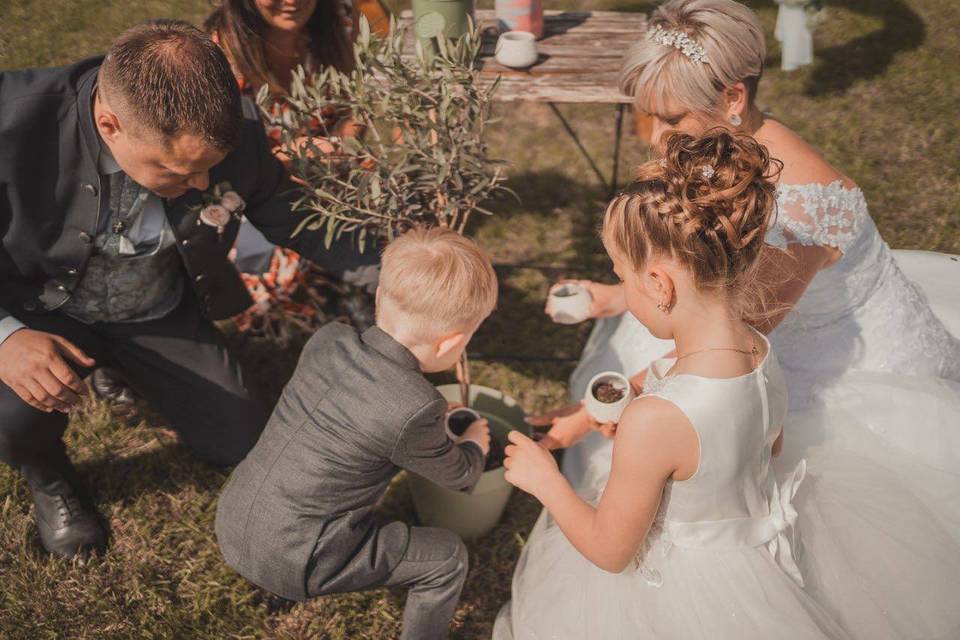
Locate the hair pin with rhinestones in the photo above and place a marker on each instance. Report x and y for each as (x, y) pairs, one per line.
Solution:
(708, 171)
(678, 40)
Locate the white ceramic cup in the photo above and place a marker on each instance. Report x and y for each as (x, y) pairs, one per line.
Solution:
(446, 421)
(570, 303)
(608, 411)
(517, 49)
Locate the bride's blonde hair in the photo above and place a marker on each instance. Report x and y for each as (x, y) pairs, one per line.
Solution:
(730, 35)
(707, 204)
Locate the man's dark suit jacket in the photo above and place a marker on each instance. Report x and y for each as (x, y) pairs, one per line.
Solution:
(297, 509)
(50, 198)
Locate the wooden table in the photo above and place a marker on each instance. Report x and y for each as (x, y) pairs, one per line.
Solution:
(580, 56)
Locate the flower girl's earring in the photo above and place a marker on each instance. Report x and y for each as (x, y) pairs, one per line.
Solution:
(663, 306)
(736, 120)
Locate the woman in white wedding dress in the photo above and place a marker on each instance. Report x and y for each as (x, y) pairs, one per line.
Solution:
(853, 327)
(691, 535)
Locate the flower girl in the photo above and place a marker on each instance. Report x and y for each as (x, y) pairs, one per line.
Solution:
(691, 533)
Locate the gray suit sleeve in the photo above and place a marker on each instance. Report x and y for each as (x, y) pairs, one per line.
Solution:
(424, 448)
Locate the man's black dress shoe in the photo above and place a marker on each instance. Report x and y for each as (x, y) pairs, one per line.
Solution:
(67, 524)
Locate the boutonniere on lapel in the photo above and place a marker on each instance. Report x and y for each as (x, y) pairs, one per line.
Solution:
(220, 204)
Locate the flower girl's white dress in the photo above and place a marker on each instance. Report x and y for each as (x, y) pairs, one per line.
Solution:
(873, 336)
(834, 547)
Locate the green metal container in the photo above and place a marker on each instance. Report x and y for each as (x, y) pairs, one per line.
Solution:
(474, 514)
(433, 17)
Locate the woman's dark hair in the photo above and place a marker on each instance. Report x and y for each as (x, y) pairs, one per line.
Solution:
(240, 29)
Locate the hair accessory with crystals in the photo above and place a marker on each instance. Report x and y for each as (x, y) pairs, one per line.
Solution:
(678, 40)
(708, 171)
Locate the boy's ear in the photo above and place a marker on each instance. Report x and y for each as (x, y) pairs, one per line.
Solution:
(450, 343)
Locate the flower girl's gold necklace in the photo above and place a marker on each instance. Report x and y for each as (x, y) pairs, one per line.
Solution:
(753, 351)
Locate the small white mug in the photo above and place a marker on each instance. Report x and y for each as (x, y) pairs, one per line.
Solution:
(608, 411)
(517, 49)
(570, 303)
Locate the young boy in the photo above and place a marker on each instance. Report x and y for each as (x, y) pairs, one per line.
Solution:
(294, 517)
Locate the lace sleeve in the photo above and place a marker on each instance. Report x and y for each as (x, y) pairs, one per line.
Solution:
(817, 214)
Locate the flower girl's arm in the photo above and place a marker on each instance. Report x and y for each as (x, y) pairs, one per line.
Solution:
(654, 442)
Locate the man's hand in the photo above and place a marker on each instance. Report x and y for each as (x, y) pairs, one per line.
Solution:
(528, 467)
(607, 299)
(478, 432)
(568, 425)
(34, 365)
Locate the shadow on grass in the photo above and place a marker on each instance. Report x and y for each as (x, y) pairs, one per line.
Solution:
(166, 469)
(868, 56)
(544, 194)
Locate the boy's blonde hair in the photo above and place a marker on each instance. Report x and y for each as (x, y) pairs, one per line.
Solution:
(436, 281)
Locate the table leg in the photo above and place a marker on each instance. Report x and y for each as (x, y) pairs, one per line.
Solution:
(618, 135)
(576, 140)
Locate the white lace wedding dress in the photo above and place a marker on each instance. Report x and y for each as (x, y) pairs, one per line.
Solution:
(872, 336)
(834, 547)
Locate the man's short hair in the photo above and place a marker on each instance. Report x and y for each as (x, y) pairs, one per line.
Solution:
(168, 77)
(435, 281)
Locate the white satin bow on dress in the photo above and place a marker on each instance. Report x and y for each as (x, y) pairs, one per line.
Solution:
(776, 530)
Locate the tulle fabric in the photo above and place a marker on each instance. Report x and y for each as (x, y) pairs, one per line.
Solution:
(877, 540)
(559, 595)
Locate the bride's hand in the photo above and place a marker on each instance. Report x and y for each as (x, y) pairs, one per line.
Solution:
(636, 382)
(528, 467)
(568, 425)
(607, 299)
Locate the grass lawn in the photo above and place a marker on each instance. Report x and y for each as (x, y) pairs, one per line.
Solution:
(880, 103)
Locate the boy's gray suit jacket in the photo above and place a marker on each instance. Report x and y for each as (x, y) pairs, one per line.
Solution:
(298, 507)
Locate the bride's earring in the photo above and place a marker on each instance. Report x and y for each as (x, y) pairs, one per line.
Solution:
(663, 306)
(735, 120)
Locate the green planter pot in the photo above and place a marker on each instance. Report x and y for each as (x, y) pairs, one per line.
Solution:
(433, 17)
(474, 514)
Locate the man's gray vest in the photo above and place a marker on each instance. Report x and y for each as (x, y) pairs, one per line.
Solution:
(122, 284)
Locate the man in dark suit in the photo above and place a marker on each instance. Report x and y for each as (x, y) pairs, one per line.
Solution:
(121, 181)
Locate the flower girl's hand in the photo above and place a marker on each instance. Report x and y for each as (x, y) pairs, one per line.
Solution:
(529, 467)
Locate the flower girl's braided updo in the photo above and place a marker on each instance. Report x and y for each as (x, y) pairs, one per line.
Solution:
(706, 205)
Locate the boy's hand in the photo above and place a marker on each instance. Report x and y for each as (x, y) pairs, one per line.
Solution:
(478, 432)
(529, 467)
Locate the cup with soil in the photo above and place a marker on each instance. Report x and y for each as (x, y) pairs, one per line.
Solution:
(570, 303)
(459, 420)
(608, 394)
(476, 513)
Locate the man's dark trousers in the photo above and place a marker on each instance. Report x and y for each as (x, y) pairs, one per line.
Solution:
(179, 363)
